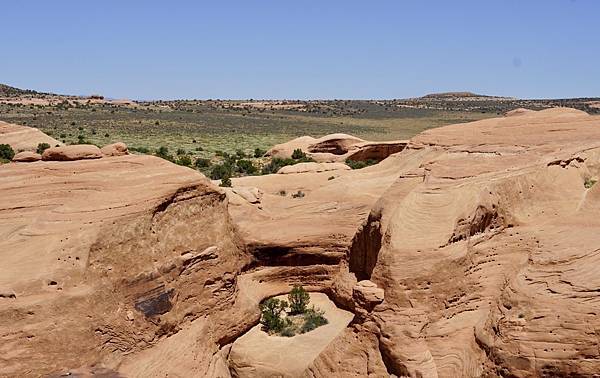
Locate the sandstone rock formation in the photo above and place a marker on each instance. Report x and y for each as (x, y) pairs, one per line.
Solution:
(72, 152)
(471, 252)
(312, 168)
(23, 138)
(115, 149)
(337, 148)
(26, 157)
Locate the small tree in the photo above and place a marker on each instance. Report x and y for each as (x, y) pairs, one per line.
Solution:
(299, 299)
(41, 147)
(298, 154)
(258, 153)
(271, 310)
(6, 152)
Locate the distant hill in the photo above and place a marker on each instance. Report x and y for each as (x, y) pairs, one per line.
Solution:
(8, 91)
(447, 95)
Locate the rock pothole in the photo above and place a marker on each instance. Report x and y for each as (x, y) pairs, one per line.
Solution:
(258, 354)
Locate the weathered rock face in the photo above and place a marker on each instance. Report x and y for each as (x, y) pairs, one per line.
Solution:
(103, 265)
(487, 260)
(72, 152)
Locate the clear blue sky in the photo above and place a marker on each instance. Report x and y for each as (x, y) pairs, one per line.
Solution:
(302, 49)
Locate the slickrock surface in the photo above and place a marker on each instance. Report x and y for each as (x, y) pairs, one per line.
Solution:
(23, 138)
(471, 252)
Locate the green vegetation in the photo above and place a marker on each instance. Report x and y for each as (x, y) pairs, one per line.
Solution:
(276, 319)
(298, 299)
(184, 160)
(41, 147)
(355, 164)
(277, 163)
(163, 152)
(271, 310)
(225, 182)
(298, 154)
(225, 126)
(313, 318)
(589, 182)
(6, 153)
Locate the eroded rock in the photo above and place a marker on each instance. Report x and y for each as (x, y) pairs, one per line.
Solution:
(26, 157)
(72, 152)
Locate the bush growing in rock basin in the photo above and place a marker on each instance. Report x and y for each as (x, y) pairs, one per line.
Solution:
(276, 319)
(271, 310)
(313, 318)
(299, 299)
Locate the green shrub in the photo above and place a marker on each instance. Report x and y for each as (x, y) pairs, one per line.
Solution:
(240, 154)
(354, 164)
(184, 160)
(298, 154)
(246, 167)
(271, 310)
(163, 152)
(258, 153)
(220, 171)
(41, 147)
(298, 299)
(202, 163)
(180, 151)
(225, 182)
(142, 150)
(313, 318)
(6, 152)
(288, 329)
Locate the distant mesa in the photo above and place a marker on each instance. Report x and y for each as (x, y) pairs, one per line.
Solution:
(459, 95)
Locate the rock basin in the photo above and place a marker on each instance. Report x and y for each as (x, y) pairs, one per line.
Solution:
(257, 354)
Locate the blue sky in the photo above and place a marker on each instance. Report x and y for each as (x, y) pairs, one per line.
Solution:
(302, 49)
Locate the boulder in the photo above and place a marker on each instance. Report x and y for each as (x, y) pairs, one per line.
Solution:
(27, 156)
(115, 149)
(73, 152)
(367, 295)
(250, 194)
